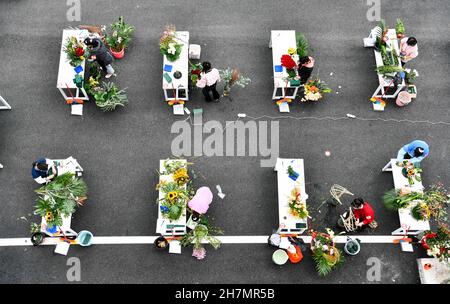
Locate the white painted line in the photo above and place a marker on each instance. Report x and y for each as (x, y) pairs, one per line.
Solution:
(258, 239)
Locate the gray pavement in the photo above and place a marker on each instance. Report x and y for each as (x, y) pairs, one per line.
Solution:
(120, 151)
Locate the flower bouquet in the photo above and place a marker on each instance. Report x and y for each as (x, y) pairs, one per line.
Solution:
(297, 207)
(181, 176)
(232, 77)
(76, 51)
(291, 66)
(314, 90)
(411, 172)
(325, 254)
(421, 212)
(201, 232)
(174, 201)
(195, 69)
(437, 244)
(168, 45)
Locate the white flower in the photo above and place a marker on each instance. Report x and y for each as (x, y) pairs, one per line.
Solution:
(114, 34)
(119, 40)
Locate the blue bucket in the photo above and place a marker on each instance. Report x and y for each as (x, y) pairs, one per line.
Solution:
(85, 238)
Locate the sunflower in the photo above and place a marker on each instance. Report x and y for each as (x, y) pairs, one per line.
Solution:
(411, 172)
(181, 176)
(172, 195)
(49, 216)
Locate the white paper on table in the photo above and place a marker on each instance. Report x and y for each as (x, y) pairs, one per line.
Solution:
(407, 247)
(160, 226)
(77, 109)
(284, 107)
(284, 243)
(178, 109)
(175, 247)
(62, 248)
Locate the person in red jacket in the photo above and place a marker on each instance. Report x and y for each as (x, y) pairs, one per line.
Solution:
(363, 212)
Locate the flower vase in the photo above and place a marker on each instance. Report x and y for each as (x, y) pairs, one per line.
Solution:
(119, 54)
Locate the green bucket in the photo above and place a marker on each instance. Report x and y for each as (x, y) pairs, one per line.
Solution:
(280, 257)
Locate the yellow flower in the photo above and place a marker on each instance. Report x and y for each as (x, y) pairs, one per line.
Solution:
(181, 176)
(292, 51)
(172, 195)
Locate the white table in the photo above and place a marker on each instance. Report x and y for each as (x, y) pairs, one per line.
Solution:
(280, 42)
(385, 82)
(66, 72)
(4, 105)
(164, 225)
(409, 225)
(439, 273)
(178, 88)
(290, 224)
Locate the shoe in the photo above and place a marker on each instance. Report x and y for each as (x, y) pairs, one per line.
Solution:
(107, 76)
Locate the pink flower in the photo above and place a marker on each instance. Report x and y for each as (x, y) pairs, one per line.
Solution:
(199, 253)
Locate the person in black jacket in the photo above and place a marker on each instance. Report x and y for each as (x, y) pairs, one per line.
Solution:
(100, 53)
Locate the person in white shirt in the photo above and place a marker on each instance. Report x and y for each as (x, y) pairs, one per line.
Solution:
(208, 81)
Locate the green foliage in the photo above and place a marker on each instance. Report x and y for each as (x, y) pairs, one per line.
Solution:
(302, 45)
(60, 198)
(202, 232)
(109, 96)
(382, 25)
(120, 36)
(394, 201)
(388, 69)
(232, 77)
(400, 27)
(410, 77)
(174, 201)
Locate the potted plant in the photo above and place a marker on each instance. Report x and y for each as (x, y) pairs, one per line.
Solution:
(195, 69)
(302, 45)
(315, 89)
(161, 243)
(120, 37)
(400, 28)
(168, 44)
(108, 97)
(37, 237)
(232, 77)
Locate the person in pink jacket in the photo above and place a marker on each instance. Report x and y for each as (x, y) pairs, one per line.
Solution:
(208, 81)
(408, 49)
(201, 200)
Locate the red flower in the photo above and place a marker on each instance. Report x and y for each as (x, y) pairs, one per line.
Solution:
(196, 72)
(288, 62)
(79, 51)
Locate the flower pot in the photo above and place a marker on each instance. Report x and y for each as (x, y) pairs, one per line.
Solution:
(85, 238)
(37, 238)
(403, 99)
(118, 55)
(161, 243)
(352, 247)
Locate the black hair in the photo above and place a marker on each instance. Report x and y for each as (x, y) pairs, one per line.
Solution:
(357, 202)
(417, 152)
(411, 41)
(206, 66)
(41, 166)
(305, 60)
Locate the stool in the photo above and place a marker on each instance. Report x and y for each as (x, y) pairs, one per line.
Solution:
(194, 51)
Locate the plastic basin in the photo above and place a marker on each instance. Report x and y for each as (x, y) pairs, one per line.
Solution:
(85, 238)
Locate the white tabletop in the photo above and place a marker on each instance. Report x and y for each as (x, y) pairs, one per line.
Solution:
(281, 42)
(182, 220)
(66, 72)
(285, 187)
(181, 64)
(439, 273)
(393, 42)
(400, 181)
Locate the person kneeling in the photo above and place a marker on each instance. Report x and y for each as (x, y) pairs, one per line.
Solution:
(363, 212)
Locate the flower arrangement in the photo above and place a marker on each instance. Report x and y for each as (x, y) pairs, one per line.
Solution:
(421, 212)
(395, 199)
(76, 51)
(325, 254)
(174, 201)
(168, 45)
(297, 207)
(232, 77)
(202, 232)
(314, 90)
(121, 34)
(411, 172)
(437, 244)
(195, 69)
(172, 165)
(181, 176)
(108, 96)
(60, 198)
(289, 63)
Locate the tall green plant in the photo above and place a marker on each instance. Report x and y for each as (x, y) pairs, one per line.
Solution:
(120, 36)
(302, 45)
(400, 27)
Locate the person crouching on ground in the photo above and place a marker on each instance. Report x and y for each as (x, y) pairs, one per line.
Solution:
(363, 212)
(305, 68)
(408, 49)
(43, 170)
(415, 152)
(208, 81)
(100, 53)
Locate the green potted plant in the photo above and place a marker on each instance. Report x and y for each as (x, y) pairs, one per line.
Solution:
(37, 237)
(108, 97)
(232, 77)
(400, 28)
(302, 45)
(120, 37)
